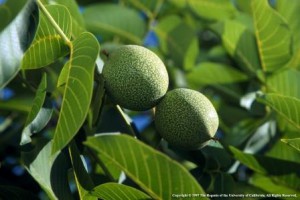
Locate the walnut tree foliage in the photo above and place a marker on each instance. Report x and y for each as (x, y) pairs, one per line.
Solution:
(62, 138)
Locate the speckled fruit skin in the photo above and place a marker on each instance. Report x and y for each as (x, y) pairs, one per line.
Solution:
(135, 77)
(186, 118)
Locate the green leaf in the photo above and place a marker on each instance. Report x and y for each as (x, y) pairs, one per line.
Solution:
(239, 42)
(22, 104)
(48, 45)
(214, 73)
(212, 9)
(9, 10)
(244, 6)
(40, 113)
(15, 39)
(50, 171)
(114, 191)
(280, 151)
(288, 107)
(295, 143)
(147, 6)
(84, 182)
(295, 61)
(78, 26)
(155, 173)
(286, 83)
(14, 193)
(63, 76)
(97, 102)
(265, 164)
(110, 20)
(163, 28)
(224, 184)
(273, 36)
(179, 40)
(290, 12)
(270, 186)
(78, 89)
(184, 51)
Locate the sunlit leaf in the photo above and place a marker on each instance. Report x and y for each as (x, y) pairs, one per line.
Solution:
(78, 89)
(77, 20)
(50, 171)
(15, 39)
(110, 20)
(214, 73)
(239, 43)
(288, 107)
(273, 36)
(155, 173)
(48, 45)
(212, 9)
(114, 191)
(286, 83)
(295, 143)
(244, 6)
(40, 113)
(290, 12)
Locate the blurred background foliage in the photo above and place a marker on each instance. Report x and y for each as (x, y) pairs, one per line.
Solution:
(243, 55)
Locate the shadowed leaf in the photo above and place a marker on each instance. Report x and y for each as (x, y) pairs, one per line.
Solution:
(40, 113)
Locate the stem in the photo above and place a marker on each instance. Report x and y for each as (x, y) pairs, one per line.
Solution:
(53, 22)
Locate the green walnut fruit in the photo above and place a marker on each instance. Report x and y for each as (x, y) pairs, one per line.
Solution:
(186, 118)
(135, 77)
